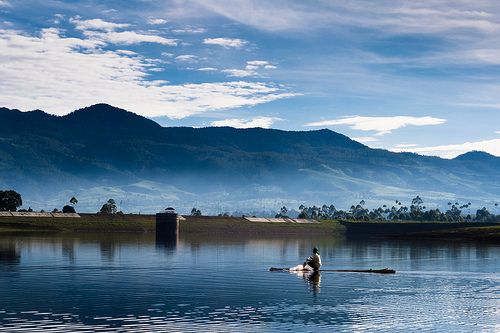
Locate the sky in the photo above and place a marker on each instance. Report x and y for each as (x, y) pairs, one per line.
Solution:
(422, 77)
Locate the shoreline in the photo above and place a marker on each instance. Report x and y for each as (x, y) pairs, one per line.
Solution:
(215, 225)
(489, 234)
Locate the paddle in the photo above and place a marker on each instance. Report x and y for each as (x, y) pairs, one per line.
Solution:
(378, 271)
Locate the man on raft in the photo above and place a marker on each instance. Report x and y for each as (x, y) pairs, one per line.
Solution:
(313, 263)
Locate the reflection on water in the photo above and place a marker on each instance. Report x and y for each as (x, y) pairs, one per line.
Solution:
(131, 282)
(9, 254)
(312, 278)
(167, 242)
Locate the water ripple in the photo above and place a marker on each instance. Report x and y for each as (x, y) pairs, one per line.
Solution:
(223, 286)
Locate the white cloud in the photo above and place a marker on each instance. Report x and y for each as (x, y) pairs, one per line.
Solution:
(497, 132)
(168, 54)
(129, 38)
(250, 69)
(58, 18)
(238, 72)
(105, 31)
(186, 58)
(263, 122)
(381, 125)
(453, 150)
(156, 21)
(4, 3)
(96, 24)
(365, 139)
(406, 145)
(127, 52)
(82, 73)
(207, 69)
(226, 42)
(190, 30)
(257, 63)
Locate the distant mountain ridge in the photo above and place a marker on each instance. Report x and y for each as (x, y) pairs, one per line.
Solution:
(102, 151)
(477, 156)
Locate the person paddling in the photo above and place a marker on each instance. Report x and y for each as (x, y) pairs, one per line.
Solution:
(313, 262)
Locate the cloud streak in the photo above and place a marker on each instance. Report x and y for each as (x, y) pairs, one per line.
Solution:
(156, 21)
(432, 16)
(129, 38)
(186, 58)
(190, 30)
(96, 24)
(251, 69)
(453, 150)
(263, 122)
(365, 139)
(227, 43)
(381, 125)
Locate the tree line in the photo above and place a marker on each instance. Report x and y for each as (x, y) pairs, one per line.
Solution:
(417, 211)
(11, 200)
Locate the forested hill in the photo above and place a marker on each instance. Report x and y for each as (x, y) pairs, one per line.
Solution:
(101, 151)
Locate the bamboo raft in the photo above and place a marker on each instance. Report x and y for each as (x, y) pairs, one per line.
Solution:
(377, 271)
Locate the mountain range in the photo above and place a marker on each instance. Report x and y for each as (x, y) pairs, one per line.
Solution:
(103, 152)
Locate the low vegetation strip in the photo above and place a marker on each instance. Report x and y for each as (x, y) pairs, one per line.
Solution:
(279, 220)
(37, 214)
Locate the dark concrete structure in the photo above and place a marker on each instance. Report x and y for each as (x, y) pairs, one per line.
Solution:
(167, 224)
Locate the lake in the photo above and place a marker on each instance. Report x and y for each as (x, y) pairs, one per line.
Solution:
(131, 282)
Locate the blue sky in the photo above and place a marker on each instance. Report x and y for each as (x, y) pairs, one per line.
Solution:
(399, 75)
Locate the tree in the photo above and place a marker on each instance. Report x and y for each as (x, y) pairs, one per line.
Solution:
(483, 215)
(109, 207)
(416, 208)
(195, 212)
(283, 213)
(10, 200)
(73, 201)
(68, 209)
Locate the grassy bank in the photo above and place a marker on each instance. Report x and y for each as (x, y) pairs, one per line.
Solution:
(147, 223)
(227, 225)
(211, 225)
(86, 223)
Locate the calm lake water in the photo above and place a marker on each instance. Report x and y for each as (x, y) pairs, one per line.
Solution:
(131, 283)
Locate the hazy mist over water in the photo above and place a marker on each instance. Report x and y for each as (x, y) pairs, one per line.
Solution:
(132, 282)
